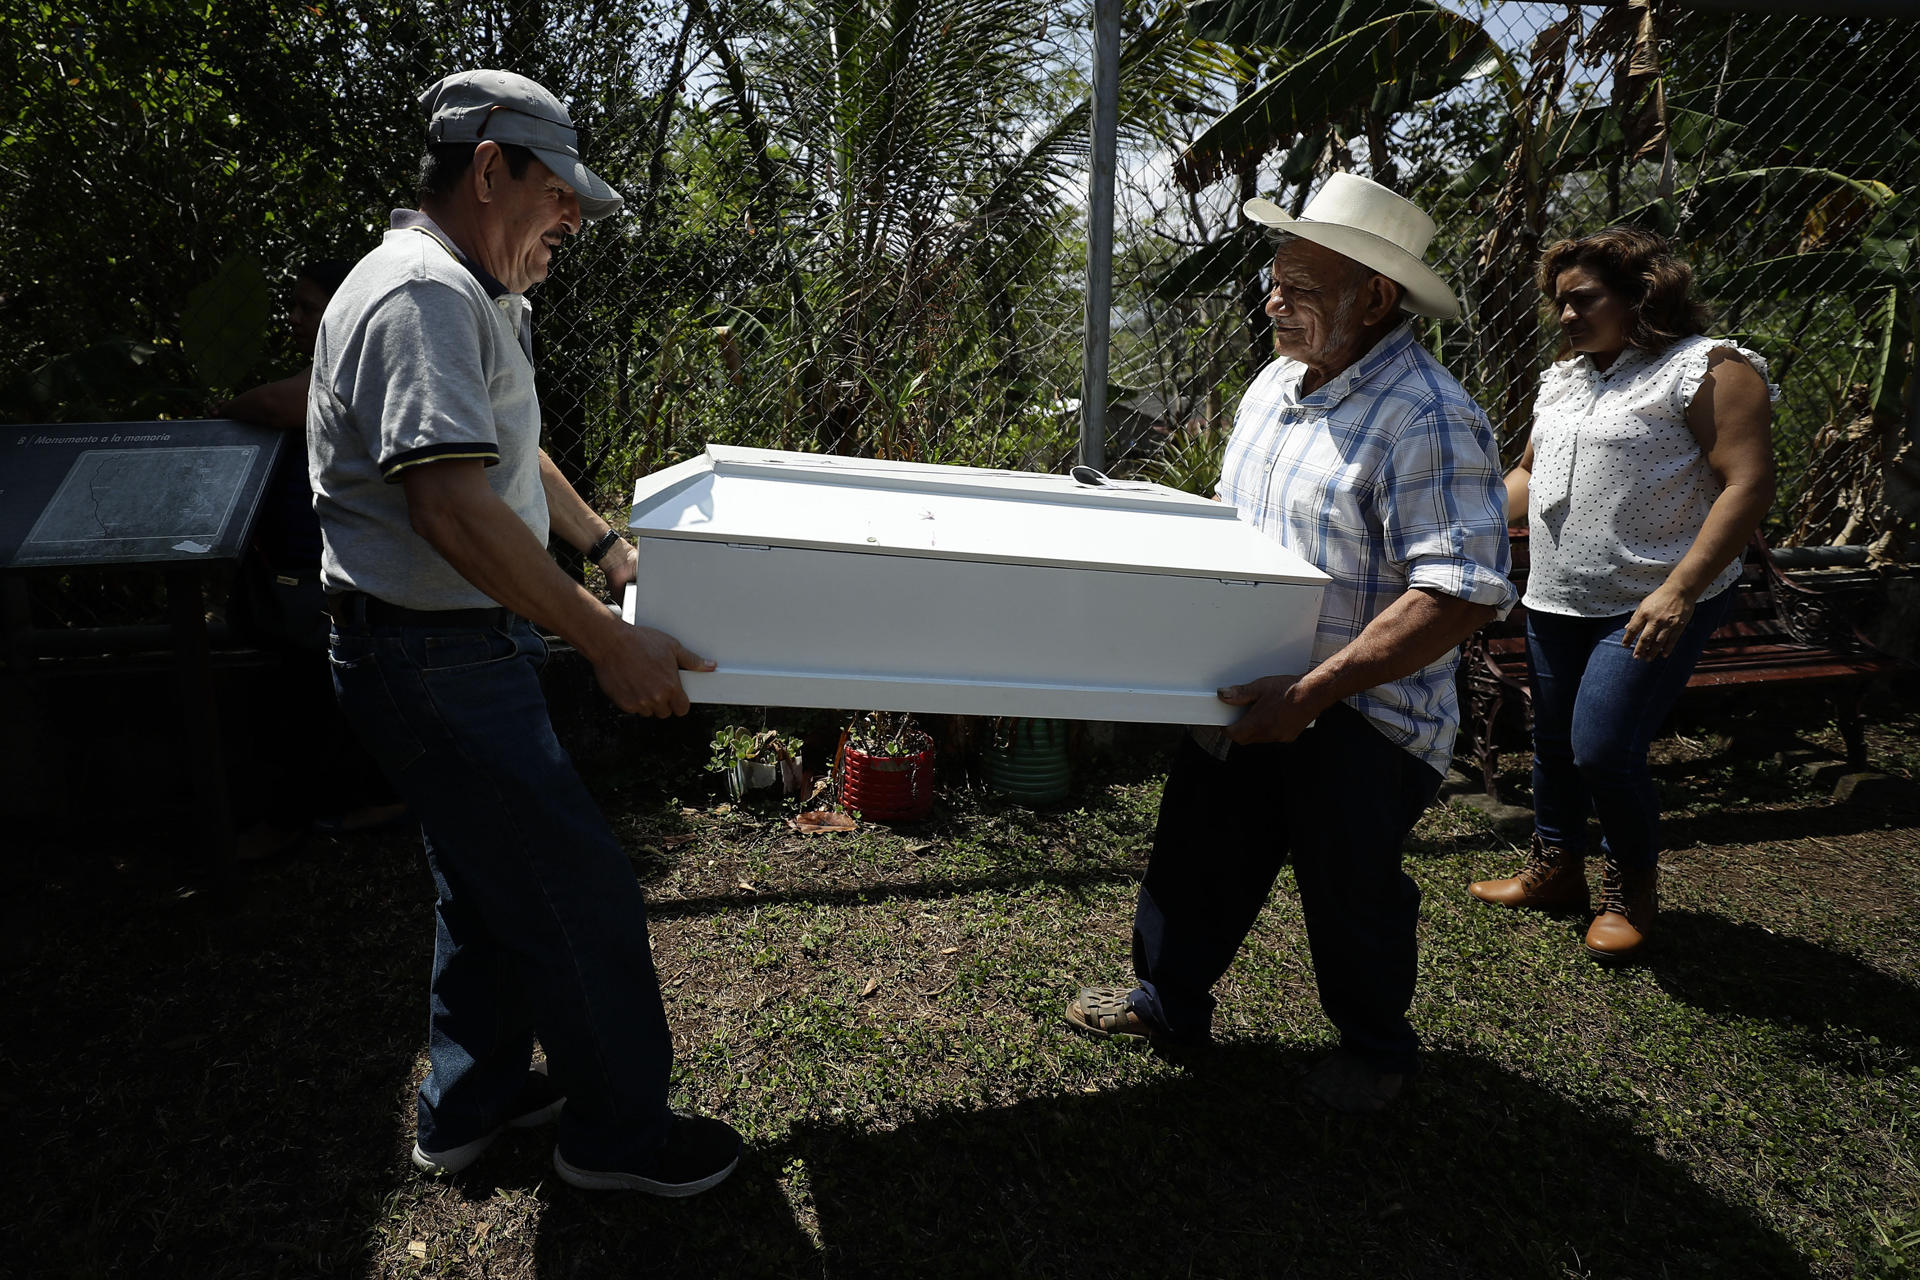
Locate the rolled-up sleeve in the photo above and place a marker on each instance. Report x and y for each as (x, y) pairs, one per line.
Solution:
(1443, 505)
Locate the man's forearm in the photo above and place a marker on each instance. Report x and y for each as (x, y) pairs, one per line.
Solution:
(577, 523)
(281, 405)
(1414, 631)
(454, 509)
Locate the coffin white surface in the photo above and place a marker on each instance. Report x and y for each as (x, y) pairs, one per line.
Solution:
(817, 581)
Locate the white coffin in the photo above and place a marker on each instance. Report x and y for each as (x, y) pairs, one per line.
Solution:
(818, 581)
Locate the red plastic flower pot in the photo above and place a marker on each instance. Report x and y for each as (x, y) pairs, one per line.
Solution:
(887, 788)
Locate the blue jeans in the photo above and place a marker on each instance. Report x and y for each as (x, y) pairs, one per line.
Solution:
(1596, 709)
(1339, 801)
(540, 924)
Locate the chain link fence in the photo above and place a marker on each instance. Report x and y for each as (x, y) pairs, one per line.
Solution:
(1774, 150)
(861, 228)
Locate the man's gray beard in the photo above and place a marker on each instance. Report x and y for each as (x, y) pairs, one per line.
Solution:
(1340, 328)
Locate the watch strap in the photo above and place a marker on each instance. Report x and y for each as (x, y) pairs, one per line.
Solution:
(604, 545)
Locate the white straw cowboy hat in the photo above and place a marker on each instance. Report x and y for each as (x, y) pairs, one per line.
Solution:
(1364, 221)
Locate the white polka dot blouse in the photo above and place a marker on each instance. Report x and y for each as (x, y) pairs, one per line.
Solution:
(1620, 487)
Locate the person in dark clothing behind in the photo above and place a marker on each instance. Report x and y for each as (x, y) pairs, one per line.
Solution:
(316, 774)
(284, 556)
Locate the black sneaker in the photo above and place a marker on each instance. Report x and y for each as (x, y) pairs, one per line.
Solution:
(540, 1100)
(699, 1153)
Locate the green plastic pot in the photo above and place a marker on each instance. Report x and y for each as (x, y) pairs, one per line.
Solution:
(1030, 763)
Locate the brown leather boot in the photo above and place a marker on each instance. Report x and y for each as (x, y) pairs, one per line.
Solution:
(1553, 879)
(1629, 900)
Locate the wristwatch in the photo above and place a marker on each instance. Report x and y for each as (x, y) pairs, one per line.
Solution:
(604, 545)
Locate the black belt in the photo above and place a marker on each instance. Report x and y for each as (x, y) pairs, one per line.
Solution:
(359, 607)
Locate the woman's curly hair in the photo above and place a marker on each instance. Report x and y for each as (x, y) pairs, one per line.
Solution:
(1649, 276)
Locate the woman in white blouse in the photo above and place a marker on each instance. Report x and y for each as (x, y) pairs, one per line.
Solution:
(1649, 468)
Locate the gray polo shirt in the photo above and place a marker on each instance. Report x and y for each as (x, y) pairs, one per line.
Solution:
(416, 363)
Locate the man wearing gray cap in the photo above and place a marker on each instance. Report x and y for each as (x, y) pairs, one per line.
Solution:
(435, 505)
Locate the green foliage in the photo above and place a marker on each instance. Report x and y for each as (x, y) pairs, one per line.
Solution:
(224, 324)
(857, 225)
(735, 744)
(1189, 461)
(1227, 261)
(887, 733)
(145, 142)
(1892, 1249)
(117, 377)
(1409, 53)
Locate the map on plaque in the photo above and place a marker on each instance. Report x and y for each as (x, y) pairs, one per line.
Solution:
(130, 492)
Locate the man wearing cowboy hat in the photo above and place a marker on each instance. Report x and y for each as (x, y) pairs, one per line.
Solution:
(435, 506)
(1358, 451)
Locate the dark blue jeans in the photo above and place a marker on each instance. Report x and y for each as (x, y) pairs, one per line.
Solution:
(1339, 801)
(540, 925)
(1596, 708)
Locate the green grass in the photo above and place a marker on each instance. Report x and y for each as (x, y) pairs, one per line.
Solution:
(224, 1090)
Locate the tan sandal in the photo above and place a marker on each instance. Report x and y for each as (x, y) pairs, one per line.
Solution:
(1104, 1012)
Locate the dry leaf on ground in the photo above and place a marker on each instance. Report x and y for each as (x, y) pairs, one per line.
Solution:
(817, 822)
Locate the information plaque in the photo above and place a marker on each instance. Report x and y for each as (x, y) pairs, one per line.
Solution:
(177, 496)
(130, 492)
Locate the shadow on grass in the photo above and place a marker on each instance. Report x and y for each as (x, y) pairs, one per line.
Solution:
(743, 1228)
(1725, 822)
(1726, 819)
(1458, 845)
(1854, 1016)
(933, 889)
(1216, 1173)
(209, 1091)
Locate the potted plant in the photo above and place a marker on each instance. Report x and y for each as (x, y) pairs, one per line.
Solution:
(1027, 759)
(754, 759)
(886, 768)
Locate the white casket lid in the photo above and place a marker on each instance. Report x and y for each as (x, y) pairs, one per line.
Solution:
(773, 498)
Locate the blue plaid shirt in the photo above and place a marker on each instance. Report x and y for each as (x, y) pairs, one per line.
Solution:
(1386, 478)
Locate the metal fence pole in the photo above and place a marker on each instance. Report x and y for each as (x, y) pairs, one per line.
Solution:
(1106, 133)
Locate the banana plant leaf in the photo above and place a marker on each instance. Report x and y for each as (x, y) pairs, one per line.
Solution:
(1589, 139)
(1281, 25)
(1847, 271)
(1389, 63)
(1893, 340)
(1229, 260)
(1820, 205)
(1891, 254)
(1305, 154)
(1821, 123)
(1774, 118)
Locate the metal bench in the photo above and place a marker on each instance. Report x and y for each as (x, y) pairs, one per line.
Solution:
(1782, 631)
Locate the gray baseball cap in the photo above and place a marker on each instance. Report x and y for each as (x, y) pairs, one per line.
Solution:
(499, 106)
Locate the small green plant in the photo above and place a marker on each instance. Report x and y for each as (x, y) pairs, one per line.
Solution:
(735, 744)
(755, 758)
(887, 733)
(1894, 1246)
